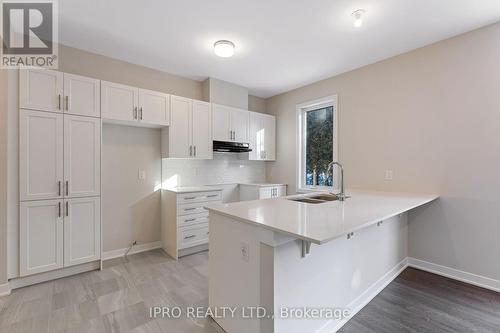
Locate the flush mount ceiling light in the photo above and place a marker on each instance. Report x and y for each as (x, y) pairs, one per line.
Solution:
(358, 17)
(224, 48)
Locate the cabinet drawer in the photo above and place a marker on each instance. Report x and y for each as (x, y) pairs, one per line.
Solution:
(193, 236)
(186, 220)
(199, 197)
(194, 208)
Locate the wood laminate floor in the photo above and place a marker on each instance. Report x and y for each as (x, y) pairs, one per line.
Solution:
(118, 298)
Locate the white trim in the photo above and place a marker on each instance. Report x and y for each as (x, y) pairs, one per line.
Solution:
(331, 100)
(52, 275)
(4, 289)
(362, 300)
(136, 249)
(452, 273)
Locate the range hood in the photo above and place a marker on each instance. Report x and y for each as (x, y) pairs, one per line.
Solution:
(231, 147)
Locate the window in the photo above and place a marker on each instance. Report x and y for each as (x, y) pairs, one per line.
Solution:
(317, 145)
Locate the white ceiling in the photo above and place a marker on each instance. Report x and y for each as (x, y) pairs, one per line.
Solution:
(281, 44)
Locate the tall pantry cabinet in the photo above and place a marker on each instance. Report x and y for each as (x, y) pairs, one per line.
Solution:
(59, 170)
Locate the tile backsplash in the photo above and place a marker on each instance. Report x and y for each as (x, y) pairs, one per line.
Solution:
(225, 168)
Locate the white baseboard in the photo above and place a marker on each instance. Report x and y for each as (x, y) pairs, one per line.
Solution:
(135, 249)
(362, 300)
(53, 275)
(4, 289)
(452, 273)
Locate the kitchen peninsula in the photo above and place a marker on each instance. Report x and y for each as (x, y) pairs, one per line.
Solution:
(283, 254)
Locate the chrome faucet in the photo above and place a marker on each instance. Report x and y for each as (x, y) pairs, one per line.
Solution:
(340, 195)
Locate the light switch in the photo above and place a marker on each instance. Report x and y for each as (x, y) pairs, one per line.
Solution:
(389, 175)
(245, 255)
(142, 174)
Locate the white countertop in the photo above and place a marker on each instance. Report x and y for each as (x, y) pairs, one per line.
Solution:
(189, 189)
(262, 184)
(320, 223)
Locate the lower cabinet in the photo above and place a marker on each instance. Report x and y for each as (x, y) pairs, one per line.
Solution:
(261, 191)
(58, 233)
(185, 220)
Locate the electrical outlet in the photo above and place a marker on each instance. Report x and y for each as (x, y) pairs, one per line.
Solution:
(389, 175)
(245, 255)
(141, 174)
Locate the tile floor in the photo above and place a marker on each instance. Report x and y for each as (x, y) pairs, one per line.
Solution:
(116, 299)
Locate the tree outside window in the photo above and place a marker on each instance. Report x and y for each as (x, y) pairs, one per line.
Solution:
(318, 146)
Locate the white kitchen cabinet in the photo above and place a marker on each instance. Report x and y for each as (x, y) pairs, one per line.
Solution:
(262, 139)
(221, 122)
(154, 108)
(82, 96)
(119, 102)
(178, 139)
(184, 225)
(201, 127)
(41, 236)
(41, 89)
(132, 106)
(189, 134)
(40, 155)
(82, 156)
(261, 191)
(82, 230)
(230, 124)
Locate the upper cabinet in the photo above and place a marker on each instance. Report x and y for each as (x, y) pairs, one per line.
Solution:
(230, 124)
(41, 89)
(154, 108)
(82, 96)
(262, 137)
(54, 91)
(134, 106)
(190, 132)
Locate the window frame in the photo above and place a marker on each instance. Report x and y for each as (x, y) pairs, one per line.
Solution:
(301, 110)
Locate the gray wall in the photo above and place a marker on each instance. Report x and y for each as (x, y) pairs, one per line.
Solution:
(3, 176)
(433, 117)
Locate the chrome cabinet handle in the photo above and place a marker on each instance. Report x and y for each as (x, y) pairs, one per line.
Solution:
(67, 187)
(190, 236)
(59, 102)
(194, 150)
(189, 198)
(212, 195)
(67, 102)
(140, 113)
(190, 150)
(135, 112)
(189, 208)
(67, 208)
(59, 208)
(189, 220)
(59, 188)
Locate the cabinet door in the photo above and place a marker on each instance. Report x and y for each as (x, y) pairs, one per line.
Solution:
(40, 155)
(179, 132)
(239, 125)
(256, 136)
(82, 95)
(82, 230)
(265, 192)
(280, 191)
(221, 122)
(269, 137)
(40, 89)
(201, 127)
(119, 102)
(154, 108)
(41, 236)
(82, 156)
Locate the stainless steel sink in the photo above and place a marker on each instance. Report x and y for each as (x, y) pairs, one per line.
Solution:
(325, 197)
(316, 199)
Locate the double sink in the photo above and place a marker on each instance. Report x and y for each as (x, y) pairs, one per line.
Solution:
(316, 199)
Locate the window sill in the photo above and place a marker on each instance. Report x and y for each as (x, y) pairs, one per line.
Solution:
(326, 189)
